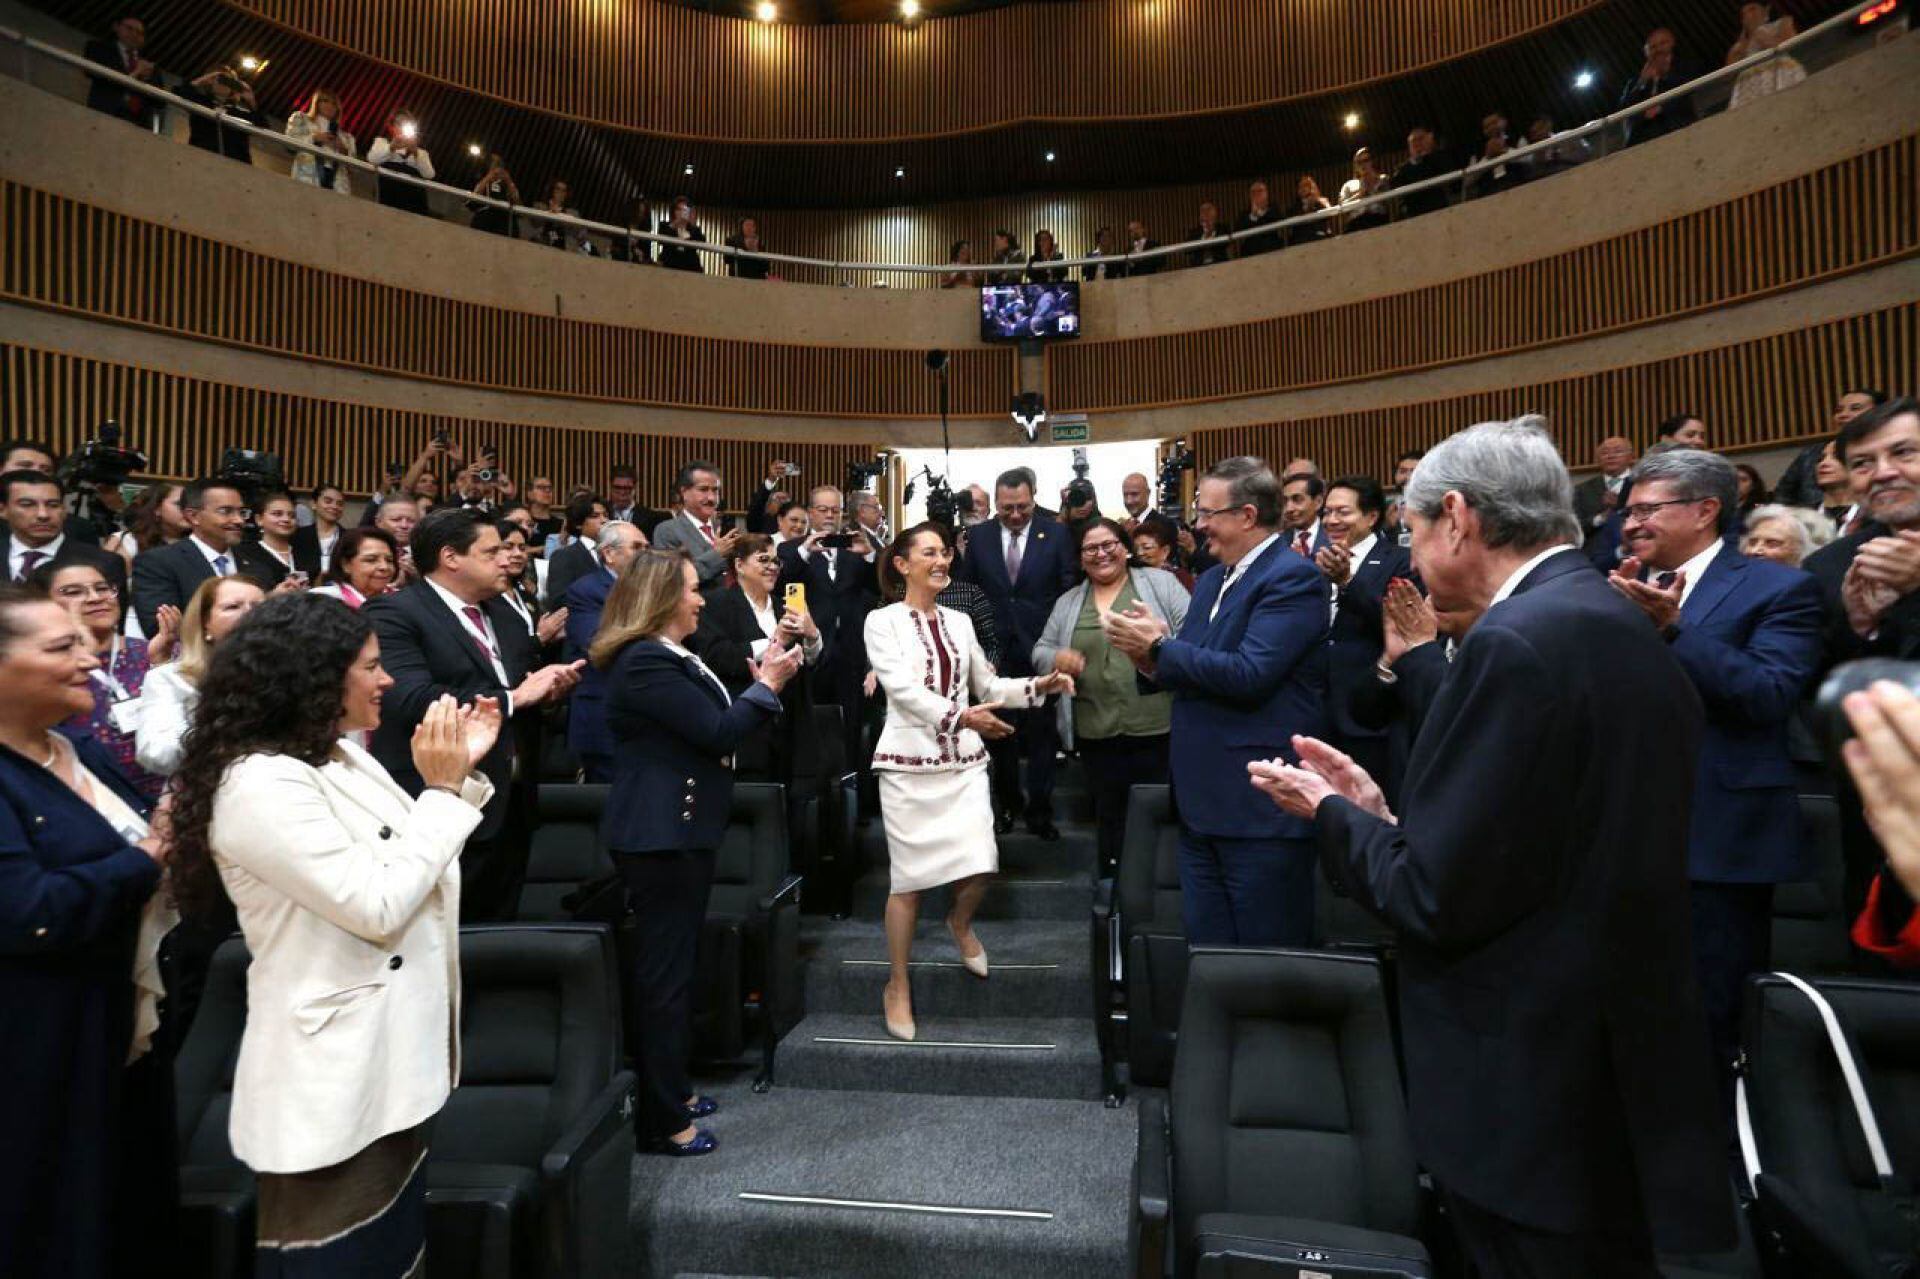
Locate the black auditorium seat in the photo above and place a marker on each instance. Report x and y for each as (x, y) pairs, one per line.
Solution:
(216, 1189)
(1833, 1200)
(564, 852)
(1809, 917)
(1151, 935)
(529, 1170)
(1283, 1148)
(748, 978)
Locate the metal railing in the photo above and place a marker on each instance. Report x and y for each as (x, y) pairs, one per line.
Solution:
(1464, 177)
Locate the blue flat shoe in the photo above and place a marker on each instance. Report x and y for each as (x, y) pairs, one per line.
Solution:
(703, 1143)
(701, 1108)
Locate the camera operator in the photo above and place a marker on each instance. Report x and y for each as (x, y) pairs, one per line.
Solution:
(496, 184)
(398, 150)
(225, 90)
(319, 125)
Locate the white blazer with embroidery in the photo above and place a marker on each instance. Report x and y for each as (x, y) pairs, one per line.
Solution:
(348, 892)
(922, 733)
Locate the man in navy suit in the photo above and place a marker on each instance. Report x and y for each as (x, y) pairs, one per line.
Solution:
(216, 512)
(1535, 876)
(616, 545)
(1748, 634)
(450, 632)
(1023, 561)
(1247, 672)
(1302, 496)
(1358, 561)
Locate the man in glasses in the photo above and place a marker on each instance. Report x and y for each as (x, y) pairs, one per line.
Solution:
(216, 516)
(36, 533)
(1748, 634)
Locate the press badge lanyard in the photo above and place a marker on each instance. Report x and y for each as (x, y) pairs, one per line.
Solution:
(105, 676)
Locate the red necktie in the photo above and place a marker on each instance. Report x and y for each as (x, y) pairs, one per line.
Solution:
(706, 531)
(480, 637)
(1301, 546)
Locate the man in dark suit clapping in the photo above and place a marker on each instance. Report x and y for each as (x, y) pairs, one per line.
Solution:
(450, 632)
(122, 54)
(1748, 634)
(1536, 877)
(1358, 563)
(1247, 672)
(1022, 561)
(586, 599)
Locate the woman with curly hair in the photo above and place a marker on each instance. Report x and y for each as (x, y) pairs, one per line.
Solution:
(347, 891)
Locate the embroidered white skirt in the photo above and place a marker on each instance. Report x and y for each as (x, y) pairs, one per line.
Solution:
(939, 826)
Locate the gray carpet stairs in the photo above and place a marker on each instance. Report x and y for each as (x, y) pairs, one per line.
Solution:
(982, 1149)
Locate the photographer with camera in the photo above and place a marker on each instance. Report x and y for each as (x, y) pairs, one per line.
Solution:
(763, 513)
(223, 89)
(319, 125)
(398, 150)
(496, 184)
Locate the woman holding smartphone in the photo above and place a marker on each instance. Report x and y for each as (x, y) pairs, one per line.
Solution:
(737, 628)
(276, 557)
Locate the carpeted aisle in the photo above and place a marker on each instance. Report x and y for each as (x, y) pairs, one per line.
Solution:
(981, 1149)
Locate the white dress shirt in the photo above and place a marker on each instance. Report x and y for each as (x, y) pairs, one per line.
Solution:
(1696, 568)
(459, 609)
(17, 555)
(212, 556)
(769, 618)
(1355, 559)
(1239, 570)
(1520, 574)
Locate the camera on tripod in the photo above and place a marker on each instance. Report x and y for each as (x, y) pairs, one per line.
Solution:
(101, 462)
(944, 506)
(1170, 500)
(252, 473)
(860, 475)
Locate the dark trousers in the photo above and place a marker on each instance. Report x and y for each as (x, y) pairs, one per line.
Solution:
(1035, 739)
(596, 768)
(492, 871)
(668, 894)
(1732, 937)
(1503, 1249)
(1113, 767)
(1246, 892)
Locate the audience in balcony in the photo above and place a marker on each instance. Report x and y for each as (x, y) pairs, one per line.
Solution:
(121, 52)
(1307, 199)
(681, 226)
(1103, 248)
(1259, 212)
(1367, 181)
(959, 254)
(495, 184)
(630, 248)
(222, 89)
(398, 151)
(1561, 155)
(1045, 250)
(747, 240)
(1423, 161)
(1138, 241)
(557, 235)
(1763, 28)
(1005, 249)
(1659, 73)
(1211, 234)
(1493, 173)
(319, 124)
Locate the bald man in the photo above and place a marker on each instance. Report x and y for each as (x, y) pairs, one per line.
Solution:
(1595, 497)
(1137, 493)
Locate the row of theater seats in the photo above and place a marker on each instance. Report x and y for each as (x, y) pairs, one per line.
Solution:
(528, 1174)
(1273, 1131)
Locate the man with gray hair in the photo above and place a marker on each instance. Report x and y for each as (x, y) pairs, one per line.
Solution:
(1536, 877)
(616, 544)
(1247, 671)
(1748, 633)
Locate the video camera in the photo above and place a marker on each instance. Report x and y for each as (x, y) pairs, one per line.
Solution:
(944, 506)
(860, 475)
(99, 462)
(251, 472)
(1169, 497)
(1080, 489)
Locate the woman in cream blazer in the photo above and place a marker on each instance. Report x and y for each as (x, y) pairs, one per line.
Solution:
(348, 892)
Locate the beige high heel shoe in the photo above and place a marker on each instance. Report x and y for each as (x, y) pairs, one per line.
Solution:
(899, 1028)
(975, 963)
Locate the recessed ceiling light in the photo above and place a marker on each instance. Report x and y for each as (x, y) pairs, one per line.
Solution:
(688, 170)
(1351, 122)
(1584, 80)
(766, 11)
(909, 9)
(899, 171)
(474, 150)
(1049, 157)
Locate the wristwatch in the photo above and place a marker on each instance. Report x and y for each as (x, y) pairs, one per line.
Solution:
(1153, 649)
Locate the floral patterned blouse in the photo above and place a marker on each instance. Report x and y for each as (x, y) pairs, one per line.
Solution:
(129, 670)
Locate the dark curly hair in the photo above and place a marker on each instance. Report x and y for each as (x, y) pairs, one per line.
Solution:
(274, 687)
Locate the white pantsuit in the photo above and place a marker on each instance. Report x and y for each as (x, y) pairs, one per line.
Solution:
(932, 772)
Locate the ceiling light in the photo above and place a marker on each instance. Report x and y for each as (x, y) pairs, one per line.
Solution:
(1049, 157)
(688, 170)
(1584, 80)
(899, 171)
(1351, 122)
(474, 150)
(249, 63)
(766, 11)
(909, 9)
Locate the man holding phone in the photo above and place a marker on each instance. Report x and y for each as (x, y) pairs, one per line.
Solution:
(840, 575)
(696, 529)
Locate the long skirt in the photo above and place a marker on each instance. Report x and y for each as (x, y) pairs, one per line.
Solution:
(365, 1216)
(939, 826)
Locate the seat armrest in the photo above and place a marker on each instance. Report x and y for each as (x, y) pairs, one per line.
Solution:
(1152, 1191)
(788, 893)
(1103, 900)
(588, 1176)
(609, 1112)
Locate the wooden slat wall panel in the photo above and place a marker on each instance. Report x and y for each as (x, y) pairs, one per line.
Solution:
(1773, 391)
(180, 283)
(184, 423)
(1862, 211)
(717, 77)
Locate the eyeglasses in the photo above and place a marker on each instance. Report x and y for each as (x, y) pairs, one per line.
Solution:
(99, 590)
(1643, 511)
(1203, 513)
(1102, 548)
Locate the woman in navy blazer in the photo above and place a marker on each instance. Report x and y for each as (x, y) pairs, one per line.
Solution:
(675, 730)
(86, 1188)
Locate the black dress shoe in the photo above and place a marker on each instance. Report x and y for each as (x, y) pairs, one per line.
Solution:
(1003, 824)
(700, 1109)
(703, 1143)
(1044, 828)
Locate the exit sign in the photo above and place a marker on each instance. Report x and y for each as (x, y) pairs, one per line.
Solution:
(1067, 428)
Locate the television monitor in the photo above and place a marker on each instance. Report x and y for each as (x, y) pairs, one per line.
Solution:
(1029, 312)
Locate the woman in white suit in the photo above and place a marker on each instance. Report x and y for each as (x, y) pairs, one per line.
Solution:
(347, 890)
(319, 124)
(930, 761)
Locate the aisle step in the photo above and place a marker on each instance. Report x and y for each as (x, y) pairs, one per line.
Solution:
(1045, 895)
(1039, 968)
(951, 1056)
(817, 1183)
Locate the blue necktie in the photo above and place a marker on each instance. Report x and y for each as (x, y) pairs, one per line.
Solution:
(221, 565)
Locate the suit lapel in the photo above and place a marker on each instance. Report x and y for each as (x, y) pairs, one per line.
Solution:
(1722, 575)
(436, 613)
